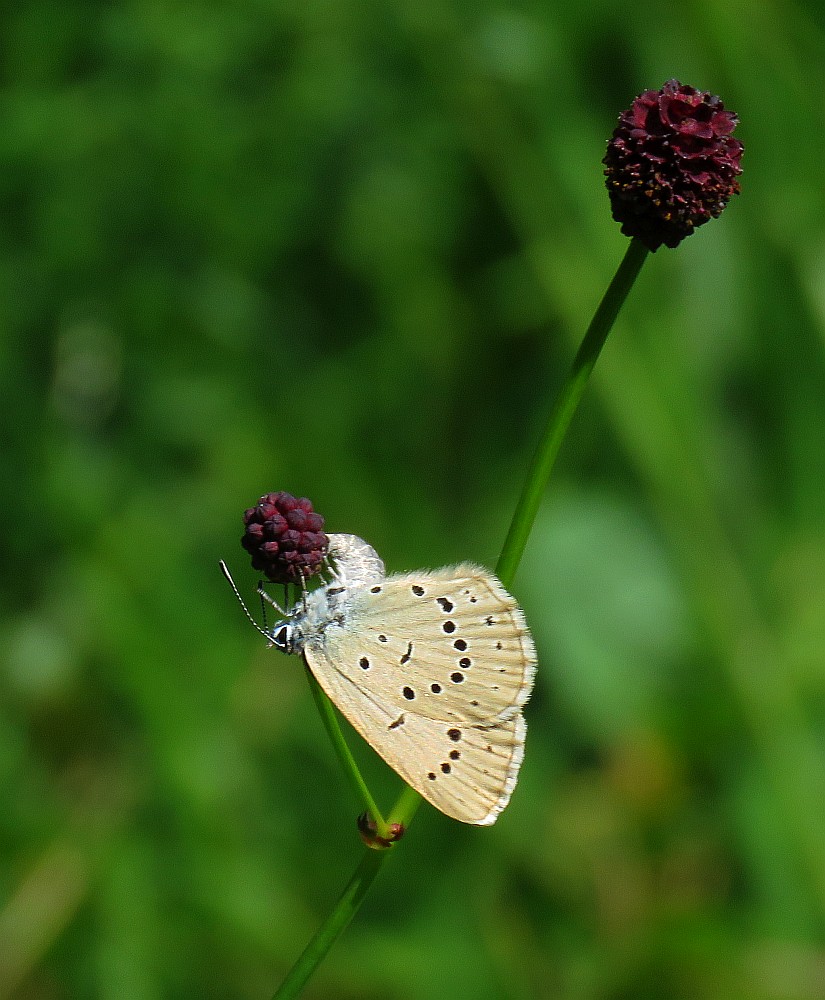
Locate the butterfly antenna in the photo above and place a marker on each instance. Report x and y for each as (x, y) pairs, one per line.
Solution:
(228, 576)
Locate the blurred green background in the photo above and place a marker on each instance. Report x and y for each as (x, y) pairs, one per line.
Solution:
(347, 249)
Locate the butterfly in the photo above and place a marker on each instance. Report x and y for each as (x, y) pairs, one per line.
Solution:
(432, 668)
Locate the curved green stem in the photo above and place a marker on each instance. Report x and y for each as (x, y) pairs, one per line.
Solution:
(522, 523)
(563, 410)
(333, 728)
(332, 928)
(405, 807)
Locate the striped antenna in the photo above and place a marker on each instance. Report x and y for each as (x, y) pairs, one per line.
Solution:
(228, 576)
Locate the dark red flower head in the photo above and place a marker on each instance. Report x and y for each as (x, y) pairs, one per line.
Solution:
(671, 164)
(285, 538)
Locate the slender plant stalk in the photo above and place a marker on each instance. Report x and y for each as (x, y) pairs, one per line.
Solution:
(354, 776)
(331, 929)
(563, 410)
(406, 807)
(523, 518)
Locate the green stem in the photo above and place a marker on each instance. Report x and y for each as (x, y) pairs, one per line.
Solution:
(565, 407)
(406, 807)
(333, 728)
(511, 554)
(332, 928)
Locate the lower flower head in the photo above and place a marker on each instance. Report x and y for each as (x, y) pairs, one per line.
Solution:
(671, 164)
(285, 538)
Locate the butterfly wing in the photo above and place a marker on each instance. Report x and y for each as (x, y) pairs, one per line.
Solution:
(432, 669)
(356, 562)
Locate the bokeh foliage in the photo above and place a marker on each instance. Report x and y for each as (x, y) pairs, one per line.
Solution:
(347, 249)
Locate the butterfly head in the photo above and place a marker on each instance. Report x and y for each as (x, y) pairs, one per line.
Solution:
(286, 637)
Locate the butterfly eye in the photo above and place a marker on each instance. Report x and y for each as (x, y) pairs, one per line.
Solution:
(283, 639)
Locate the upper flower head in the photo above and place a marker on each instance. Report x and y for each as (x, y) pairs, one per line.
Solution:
(671, 163)
(285, 538)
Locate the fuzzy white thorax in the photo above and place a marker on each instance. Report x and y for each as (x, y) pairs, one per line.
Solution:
(356, 565)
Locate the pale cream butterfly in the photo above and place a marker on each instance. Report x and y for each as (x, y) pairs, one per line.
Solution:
(432, 668)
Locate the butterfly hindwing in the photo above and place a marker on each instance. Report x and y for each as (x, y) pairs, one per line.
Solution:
(466, 770)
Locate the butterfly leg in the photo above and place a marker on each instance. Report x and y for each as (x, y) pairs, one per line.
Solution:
(265, 597)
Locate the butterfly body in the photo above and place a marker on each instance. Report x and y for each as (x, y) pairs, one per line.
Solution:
(432, 668)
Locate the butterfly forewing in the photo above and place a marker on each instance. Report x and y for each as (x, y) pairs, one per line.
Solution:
(432, 669)
(452, 643)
